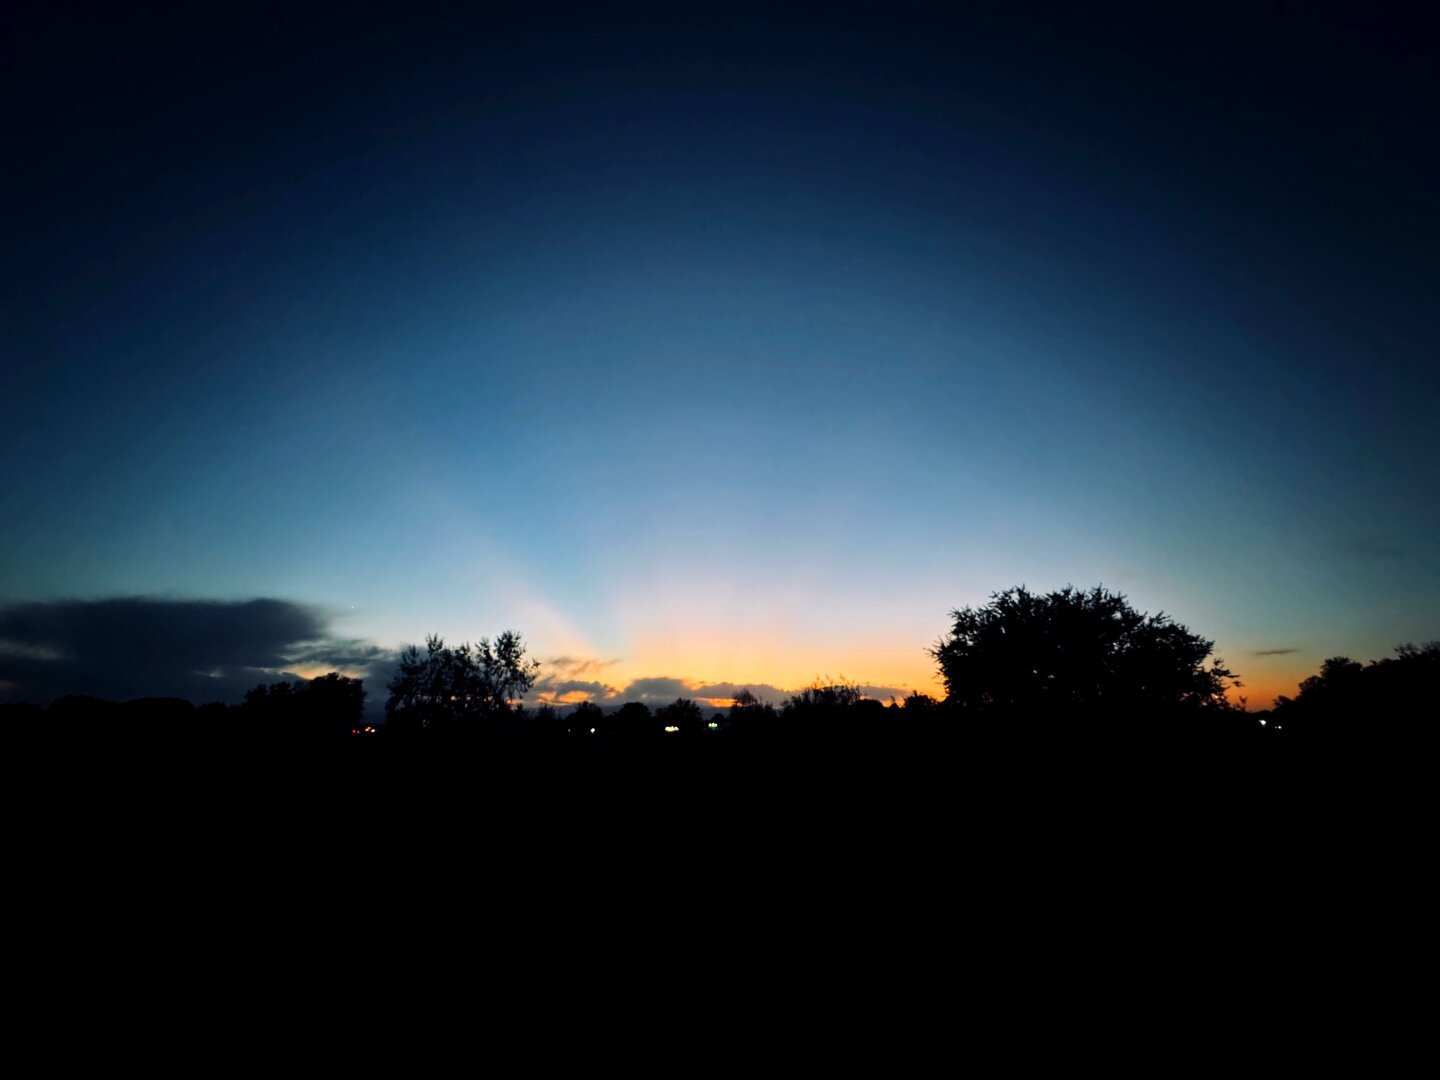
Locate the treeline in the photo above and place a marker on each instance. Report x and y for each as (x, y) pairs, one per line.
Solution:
(1389, 700)
(1071, 666)
(331, 704)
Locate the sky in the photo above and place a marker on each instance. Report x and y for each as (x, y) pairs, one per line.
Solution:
(708, 348)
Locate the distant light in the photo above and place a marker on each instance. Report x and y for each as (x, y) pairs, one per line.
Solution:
(1262, 723)
(592, 731)
(670, 729)
(713, 725)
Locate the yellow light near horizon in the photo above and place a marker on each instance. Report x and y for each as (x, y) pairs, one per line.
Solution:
(707, 658)
(314, 671)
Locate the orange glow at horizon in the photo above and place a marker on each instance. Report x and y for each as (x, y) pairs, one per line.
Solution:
(707, 658)
(314, 671)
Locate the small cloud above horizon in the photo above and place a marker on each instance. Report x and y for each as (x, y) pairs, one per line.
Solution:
(663, 689)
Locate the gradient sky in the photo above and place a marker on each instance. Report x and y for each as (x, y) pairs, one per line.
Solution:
(732, 348)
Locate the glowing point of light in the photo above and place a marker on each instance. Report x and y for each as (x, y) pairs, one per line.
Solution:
(713, 725)
(592, 731)
(670, 729)
(1262, 723)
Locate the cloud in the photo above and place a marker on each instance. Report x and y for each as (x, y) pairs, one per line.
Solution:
(340, 653)
(203, 650)
(656, 690)
(1274, 652)
(574, 667)
(659, 688)
(214, 650)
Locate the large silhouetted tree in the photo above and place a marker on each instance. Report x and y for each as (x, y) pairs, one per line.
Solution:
(586, 718)
(465, 688)
(682, 715)
(633, 718)
(1056, 657)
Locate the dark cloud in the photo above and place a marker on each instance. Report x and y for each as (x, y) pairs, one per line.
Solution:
(1274, 652)
(663, 689)
(214, 650)
(659, 688)
(125, 647)
(560, 688)
(885, 693)
(340, 653)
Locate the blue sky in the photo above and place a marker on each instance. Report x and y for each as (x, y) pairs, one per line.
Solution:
(727, 348)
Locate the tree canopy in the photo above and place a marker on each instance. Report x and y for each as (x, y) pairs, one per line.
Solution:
(1050, 657)
(450, 688)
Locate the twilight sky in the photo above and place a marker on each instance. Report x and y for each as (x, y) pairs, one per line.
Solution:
(710, 349)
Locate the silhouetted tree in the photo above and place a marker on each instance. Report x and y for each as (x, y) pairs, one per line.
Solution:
(270, 707)
(1057, 657)
(586, 718)
(750, 716)
(332, 704)
(633, 718)
(918, 713)
(462, 689)
(919, 704)
(822, 696)
(827, 709)
(683, 715)
(545, 722)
